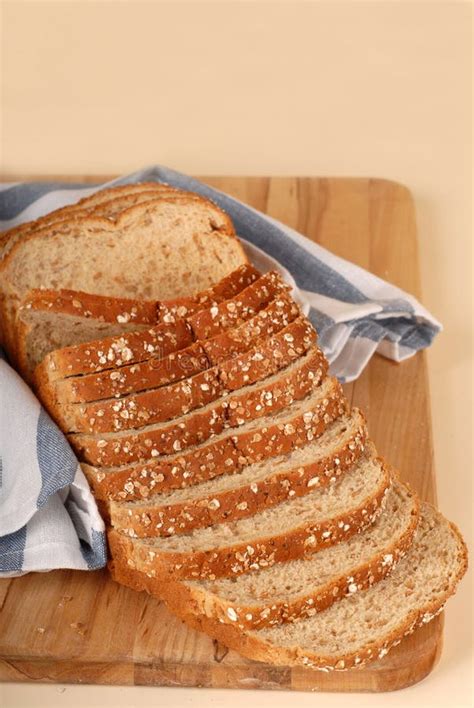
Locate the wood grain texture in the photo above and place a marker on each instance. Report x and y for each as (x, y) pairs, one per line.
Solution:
(80, 627)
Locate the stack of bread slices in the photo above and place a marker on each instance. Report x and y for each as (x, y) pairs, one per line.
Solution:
(237, 482)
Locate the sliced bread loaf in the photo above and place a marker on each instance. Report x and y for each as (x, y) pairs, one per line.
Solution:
(112, 352)
(230, 497)
(298, 588)
(247, 404)
(284, 532)
(156, 371)
(92, 254)
(366, 624)
(160, 404)
(226, 453)
(54, 319)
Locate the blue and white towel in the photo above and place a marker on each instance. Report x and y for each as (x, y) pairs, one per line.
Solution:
(48, 517)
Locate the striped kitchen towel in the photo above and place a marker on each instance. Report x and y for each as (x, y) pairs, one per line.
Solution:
(48, 518)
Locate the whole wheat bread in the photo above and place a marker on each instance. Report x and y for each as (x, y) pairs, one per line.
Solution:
(228, 497)
(167, 402)
(54, 319)
(226, 453)
(365, 625)
(180, 246)
(298, 588)
(284, 532)
(243, 406)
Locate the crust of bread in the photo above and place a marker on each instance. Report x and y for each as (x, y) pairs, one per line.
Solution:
(112, 352)
(176, 399)
(89, 357)
(152, 373)
(212, 321)
(151, 406)
(271, 319)
(111, 450)
(90, 306)
(227, 288)
(185, 598)
(271, 355)
(241, 557)
(155, 519)
(225, 455)
(156, 372)
(249, 644)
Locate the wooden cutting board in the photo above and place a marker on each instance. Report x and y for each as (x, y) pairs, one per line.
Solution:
(80, 627)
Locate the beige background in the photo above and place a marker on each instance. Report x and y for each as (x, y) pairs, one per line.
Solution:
(304, 88)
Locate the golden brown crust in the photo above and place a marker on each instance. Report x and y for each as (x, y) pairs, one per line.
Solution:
(278, 314)
(144, 408)
(111, 450)
(264, 359)
(90, 306)
(185, 598)
(156, 519)
(229, 313)
(152, 373)
(241, 557)
(226, 455)
(89, 358)
(265, 399)
(250, 644)
(227, 288)
(271, 355)
(112, 352)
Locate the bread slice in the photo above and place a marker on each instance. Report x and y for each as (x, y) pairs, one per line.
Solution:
(226, 453)
(109, 208)
(176, 399)
(257, 485)
(83, 206)
(156, 371)
(40, 331)
(89, 357)
(92, 254)
(250, 403)
(54, 319)
(366, 624)
(298, 588)
(107, 203)
(284, 532)
(113, 352)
